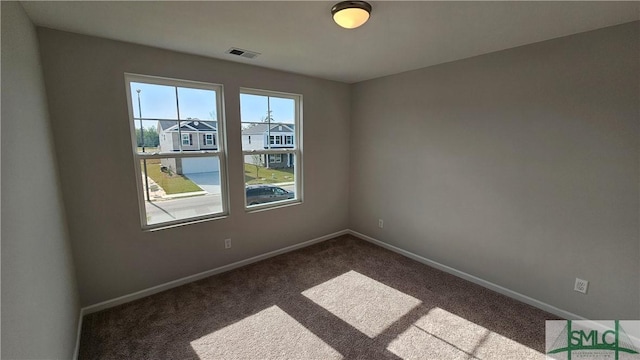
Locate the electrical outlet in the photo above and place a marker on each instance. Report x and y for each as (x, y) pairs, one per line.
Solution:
(581, 286)
(227, 243)
(380, 223)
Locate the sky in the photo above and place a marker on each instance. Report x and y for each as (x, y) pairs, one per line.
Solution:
(159, 101)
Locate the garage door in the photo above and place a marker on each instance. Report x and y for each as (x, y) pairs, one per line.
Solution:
(199, 165)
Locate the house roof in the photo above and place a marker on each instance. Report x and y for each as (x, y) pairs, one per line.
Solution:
(190, 125)
(259, 129)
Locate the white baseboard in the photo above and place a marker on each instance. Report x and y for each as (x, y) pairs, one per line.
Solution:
(474, 279)
(185, 280)
(188, 279)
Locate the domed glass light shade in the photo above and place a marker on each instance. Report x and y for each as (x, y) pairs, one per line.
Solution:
(351, 14)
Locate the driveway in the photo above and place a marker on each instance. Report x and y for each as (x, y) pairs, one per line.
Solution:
(208, 181)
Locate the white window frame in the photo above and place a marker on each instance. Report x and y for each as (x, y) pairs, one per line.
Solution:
(296, 150)
(209, 140)
(187, 138)
(220, 152)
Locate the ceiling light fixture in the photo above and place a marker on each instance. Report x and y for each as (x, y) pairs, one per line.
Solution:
(351, 14)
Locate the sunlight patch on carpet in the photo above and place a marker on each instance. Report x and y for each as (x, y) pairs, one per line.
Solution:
(366, 304)
(268, 334)
(443, 335)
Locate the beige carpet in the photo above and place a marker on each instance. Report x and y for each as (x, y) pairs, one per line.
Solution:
(341, 299)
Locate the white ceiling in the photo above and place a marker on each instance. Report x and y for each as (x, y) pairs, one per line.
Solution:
(301, 37)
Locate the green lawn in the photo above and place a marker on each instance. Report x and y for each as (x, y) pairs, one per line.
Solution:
(171, 184)
(270, 176)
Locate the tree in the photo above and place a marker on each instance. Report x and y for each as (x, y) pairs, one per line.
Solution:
(150, 137)
(269, 117)
(257, 162)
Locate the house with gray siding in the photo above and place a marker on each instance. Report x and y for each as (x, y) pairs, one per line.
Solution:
(193, 135)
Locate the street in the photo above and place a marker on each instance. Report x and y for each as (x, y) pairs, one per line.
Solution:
(181, 208)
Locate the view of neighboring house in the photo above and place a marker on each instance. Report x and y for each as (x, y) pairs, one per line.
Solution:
(269, 136)
(194, 135)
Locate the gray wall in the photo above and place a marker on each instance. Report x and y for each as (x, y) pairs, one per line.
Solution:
(519, 167)
(87, 103)
(40, 305)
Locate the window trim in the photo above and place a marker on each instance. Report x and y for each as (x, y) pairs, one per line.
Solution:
(296, 149)
(187, 137)
(209, 140)
(220, 152)
(277, 158)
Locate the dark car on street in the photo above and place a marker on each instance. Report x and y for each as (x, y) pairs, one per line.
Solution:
(260, 194)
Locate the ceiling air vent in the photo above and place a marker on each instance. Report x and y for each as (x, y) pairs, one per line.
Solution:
(244, 53)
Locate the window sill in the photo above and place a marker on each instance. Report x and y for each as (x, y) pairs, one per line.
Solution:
(165, 226)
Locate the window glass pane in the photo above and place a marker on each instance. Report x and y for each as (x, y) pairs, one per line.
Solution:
(261, 108)
(281, 132)
(253, 108)
(180, 188)
(282, 110)
(166, 132)
(198, 104)
(269, 178)
(156, 101)
(204, 134)
(147, 136)
(254, 136)
(264, 116)
(262, 136)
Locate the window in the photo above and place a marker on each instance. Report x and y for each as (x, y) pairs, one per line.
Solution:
(276, 120)
(171, 121)
(209, 139)
(275, 158)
